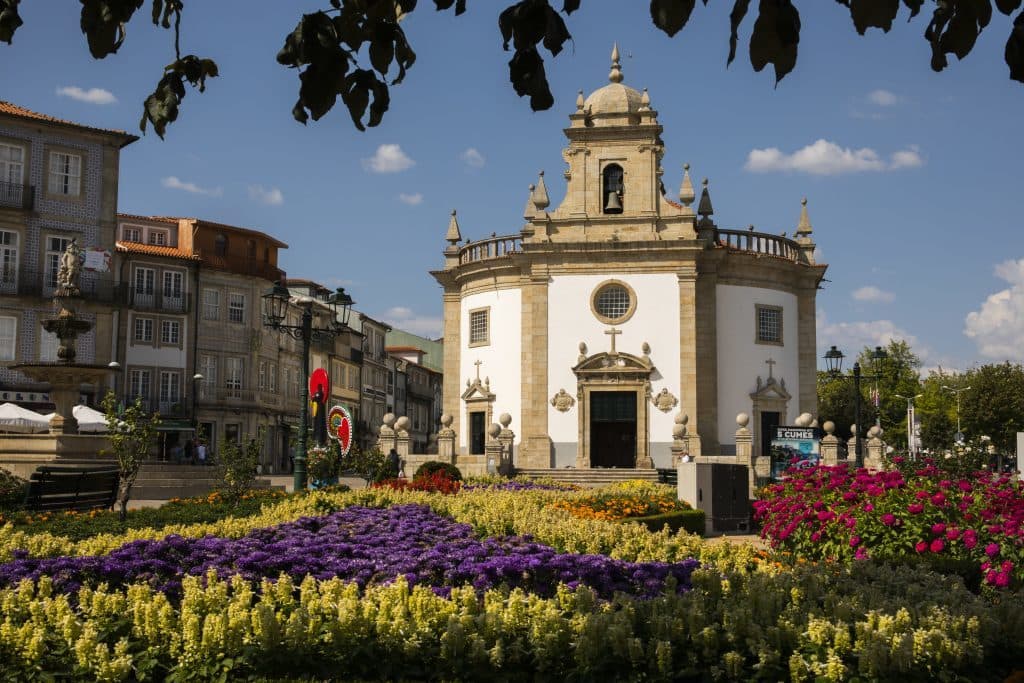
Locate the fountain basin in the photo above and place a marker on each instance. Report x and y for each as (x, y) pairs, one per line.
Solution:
(65, 380)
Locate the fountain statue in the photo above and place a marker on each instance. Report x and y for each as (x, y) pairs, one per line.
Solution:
(65, 376)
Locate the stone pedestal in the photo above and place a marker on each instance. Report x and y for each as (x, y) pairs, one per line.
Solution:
(875, 450)
(21, 454)
(745, 449)
(506, 437)
(388, 438)
(402, 436)
(446, 440)
(829, 445)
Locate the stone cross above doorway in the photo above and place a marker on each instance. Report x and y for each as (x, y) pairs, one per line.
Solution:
(613, 333)
(770, 363)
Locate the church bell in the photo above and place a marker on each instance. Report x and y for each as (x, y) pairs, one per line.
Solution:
(613, 204)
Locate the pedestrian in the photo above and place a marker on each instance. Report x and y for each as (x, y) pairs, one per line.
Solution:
(190, 452)
(201, 453)
(393, 464)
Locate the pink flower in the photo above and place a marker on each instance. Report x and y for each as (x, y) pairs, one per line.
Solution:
(816, 536)
(937, 545)
(915, 508)
(938, 528)
(939, 499)
(970, 540)
(868, 507)
(849, 495)
(964, 485)
(854, 541)
(922, 546)
(888, 519)
(952, 533)
(861, 554)
(992, 549)
(1002, 579)
(921, 495)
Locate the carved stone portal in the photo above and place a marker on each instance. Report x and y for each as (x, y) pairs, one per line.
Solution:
(664, 400)
(562, 401)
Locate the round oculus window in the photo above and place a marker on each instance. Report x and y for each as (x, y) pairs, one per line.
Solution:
(613, 302)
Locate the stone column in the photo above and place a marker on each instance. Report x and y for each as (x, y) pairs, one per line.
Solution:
(446, 440)
(706, 416)
(829, 445)
(451, 387)
(386, 440)
(745, 448)
(851, 445)
(493, 449)
(687, 276)
(402, 437)
(536, 444)
(873, 460)
(807, 339)
(506, 437)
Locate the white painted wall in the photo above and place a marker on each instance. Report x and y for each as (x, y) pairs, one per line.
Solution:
(502, 358)
(151, 356)
(655, 321)
(741, 360)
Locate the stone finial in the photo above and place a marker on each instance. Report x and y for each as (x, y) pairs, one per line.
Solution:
(505, 419)
(686, 194)
(530, 209)
(389, 419)
(704, 208)
(540, 194)
(682, 418)
(579, 101)
(804, 420)
(829, 427)
(494, 430)
(645, 348)
(402, 424)
(616, 73)
(803, 229)
(454, 235)
(645, 101)
(678, 431)
(742, 420)
(446, 421)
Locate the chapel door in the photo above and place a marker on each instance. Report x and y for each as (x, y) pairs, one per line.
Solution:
(769, 421)
(613, 429)
(476, 433)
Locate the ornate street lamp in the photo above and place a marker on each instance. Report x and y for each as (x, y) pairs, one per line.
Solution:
(276, 304)
(834, 364)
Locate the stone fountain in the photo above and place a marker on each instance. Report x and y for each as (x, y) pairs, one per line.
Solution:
(65, 378)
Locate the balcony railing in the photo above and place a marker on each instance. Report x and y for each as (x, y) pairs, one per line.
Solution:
(492, 247)
(167, 408)
(758, 243)
(43, 283)
(159, 301)
(18, 196)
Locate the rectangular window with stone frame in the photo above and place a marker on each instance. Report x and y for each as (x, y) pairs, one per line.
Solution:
(480, 326)
(769, 325)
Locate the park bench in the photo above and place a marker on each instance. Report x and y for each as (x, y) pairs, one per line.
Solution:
(72, 488)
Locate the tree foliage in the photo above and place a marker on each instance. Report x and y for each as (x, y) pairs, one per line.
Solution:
(131, 432)
(236, 466)
(351, 48)
(994, 404)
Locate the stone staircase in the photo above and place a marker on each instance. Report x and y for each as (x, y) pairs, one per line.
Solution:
(592, 477)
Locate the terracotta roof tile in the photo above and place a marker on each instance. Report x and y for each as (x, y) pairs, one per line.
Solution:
(154, 250)
(21, 112)
(403, 349)
(155, 219)
(202, 222)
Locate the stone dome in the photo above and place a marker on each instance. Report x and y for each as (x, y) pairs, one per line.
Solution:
(614, 98)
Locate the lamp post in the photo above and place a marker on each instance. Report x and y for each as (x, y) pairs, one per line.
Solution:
(834, 364)
(196, 379)
(276, 302)
(959, 434)
(911, 437)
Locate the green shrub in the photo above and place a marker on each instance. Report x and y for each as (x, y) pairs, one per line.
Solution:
(431, 466)
(687, 520)
(12, 490)
(236, 466)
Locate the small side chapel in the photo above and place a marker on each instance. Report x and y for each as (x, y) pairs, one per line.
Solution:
(608, 322)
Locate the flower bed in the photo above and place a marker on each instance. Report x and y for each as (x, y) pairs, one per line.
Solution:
(622, 501)
(431, 482)
(503, 484)
(923, 515)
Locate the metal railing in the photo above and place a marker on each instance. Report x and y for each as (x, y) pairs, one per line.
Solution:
(492, 247)
(159, 301)
(43, 283)
(758, 243)
(17, 195)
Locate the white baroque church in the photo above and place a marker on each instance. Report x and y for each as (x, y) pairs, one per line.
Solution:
(607, 322)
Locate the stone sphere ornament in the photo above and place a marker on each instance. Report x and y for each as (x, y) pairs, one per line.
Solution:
(829, 427)
(446, 420)
(505, 419)
(494, 430)
(389, 419)
(742, 419)
(402, 424)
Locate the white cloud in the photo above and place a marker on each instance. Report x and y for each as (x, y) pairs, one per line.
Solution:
(404, 318)
(388, 159)
(91, 96)
(883, 98)
(824, 157)
(269, 196)
(998, 328)
(413, 199)
(174, 183)
(872, 293)
(852, 337)
(473, 158)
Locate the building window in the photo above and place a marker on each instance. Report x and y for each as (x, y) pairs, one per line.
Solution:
(612, 189)
(138, 384)
(55, 247)
(8, 334)
(145, 287)
(170, 332)
(211, 304)
(47, 346)
(12, 164)
(208, 369)
(131, 234)
(8, 257)
(769, 324)
(261, 377)
(272, 377)
(480, 327)
(65, 173)
(353, 378)
(613, 302)
(143, 329)
(233, 375)
(236, 307)
(170, 390)
(158, 237)
(220, 244)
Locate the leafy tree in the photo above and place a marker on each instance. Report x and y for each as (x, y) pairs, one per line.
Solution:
(368, 464)
(132, 433)
(936, 410)
(236, 466)
(994, 404)
(332, 48)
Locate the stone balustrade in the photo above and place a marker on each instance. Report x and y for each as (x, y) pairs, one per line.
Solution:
(758, 243)
(492, 247)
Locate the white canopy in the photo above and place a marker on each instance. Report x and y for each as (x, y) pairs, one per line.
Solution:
(90, 419)
(14, 418)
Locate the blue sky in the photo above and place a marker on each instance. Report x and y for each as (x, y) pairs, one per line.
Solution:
(908, 174)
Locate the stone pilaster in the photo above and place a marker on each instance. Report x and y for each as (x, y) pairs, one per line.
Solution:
(689, 397)
(807, 352)
(707, 354)
(535, 449)
(451, 387)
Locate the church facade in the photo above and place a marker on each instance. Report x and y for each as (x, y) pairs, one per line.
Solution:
(605, 323)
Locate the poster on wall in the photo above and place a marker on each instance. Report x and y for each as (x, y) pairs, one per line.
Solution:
(97, 260)
(794, 447)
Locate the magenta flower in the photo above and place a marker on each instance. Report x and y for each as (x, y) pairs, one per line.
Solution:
(937, 545)
(970, 540)
(939, 499)
(915, 508)
(952, 533)
(938, 528)
(1002, 579)
(992, 549)
(921, 495)
(921, 546)
(861, 554)
(888, 519)
(854, 541)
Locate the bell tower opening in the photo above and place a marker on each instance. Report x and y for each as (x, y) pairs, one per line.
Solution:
(612, 189)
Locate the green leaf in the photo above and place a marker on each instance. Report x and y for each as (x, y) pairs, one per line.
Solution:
(526, 71)
(775, 37)
(671, 15)
(9, 20)
(873, 14)
(103, 23)
(736, 16)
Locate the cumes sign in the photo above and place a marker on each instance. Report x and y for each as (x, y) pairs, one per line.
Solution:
(794, 447)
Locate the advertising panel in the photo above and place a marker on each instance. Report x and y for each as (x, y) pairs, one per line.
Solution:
(794, 447)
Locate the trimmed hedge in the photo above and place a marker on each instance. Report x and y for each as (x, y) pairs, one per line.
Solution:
(687, 520)
(431, 466)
